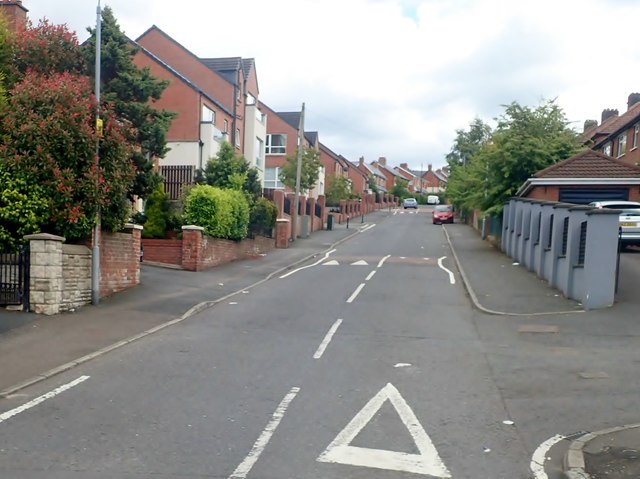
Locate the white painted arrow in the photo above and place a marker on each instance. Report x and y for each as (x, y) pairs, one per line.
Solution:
(427, 462)
(359, 263)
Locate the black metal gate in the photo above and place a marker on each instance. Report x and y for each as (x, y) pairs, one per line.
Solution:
(14, 277)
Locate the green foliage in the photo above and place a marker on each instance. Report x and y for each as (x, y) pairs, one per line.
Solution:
(222, 213)
(131, 90)
(228, 170)
(467, 143)
(22, 206)
(47, 134)
(371, 181)
(6, 49)
(263, 215)
(309, 173)
(400, 188)
(156, 211)
(339, 188)
(525, 141)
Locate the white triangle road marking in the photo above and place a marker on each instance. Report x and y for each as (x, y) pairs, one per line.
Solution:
(360, 263)
(426, 462)
(333, 262)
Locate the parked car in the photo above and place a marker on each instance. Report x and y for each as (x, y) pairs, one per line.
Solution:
(410, 203)
(629, 219)
(433, 200)
(442, 214)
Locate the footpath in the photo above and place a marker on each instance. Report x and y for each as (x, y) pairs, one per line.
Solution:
(33, 347)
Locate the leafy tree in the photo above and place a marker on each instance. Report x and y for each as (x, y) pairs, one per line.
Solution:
(6, 49)
(228, 170)
(263, 215)
(467, 143)
(339, 188)
(223, 213)
(44, 49)
(156, 212)
(131, 89)
(310, 169)
(399, 189)
(47, 136)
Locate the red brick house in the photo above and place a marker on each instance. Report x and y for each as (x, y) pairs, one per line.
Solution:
(413, 180)
(389, 173)
(359, 179)
(15, 14)
(617, 135)
(200, 127)
(433, 181)
(588, 176)
(372, 172)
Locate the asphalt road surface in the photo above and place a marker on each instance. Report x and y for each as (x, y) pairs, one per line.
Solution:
(367, 362)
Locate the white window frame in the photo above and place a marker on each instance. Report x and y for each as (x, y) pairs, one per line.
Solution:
(606, 149)
(636, 131)
(622, 144)
(208, 115)
(225, 127)
(238, 137)
(273, 184)
(270, 149)
(259, 151)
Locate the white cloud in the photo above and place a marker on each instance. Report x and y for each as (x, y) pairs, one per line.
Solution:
(396, 78)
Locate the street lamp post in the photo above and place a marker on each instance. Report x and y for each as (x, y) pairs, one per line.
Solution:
(95, 251)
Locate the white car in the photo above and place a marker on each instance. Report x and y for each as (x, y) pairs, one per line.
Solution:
(629, 219)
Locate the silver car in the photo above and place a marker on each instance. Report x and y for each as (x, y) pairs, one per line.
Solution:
(629, 219)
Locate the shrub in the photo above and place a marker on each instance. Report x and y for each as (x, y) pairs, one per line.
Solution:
(263, 216)
(222, 213)
(156, 210)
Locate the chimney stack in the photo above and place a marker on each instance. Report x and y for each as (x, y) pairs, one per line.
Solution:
(429, 166)
(633, 99)
(15, 14)
(608, 113)
(382, 160)
(404, 165)
(588, 124)
(361, 161)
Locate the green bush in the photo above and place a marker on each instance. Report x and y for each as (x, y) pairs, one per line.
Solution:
(222, 213)
(156, 210)
(262, 218)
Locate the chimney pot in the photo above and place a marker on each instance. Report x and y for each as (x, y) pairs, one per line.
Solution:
(588, 124)
(633, 99)
(608, 113)
(404, 165)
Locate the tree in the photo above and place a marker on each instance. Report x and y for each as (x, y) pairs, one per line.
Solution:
(309, 172)
(130, 89)
(47, 138)
(228, 170)
(399, 189)
(338, 188)
(467, 143)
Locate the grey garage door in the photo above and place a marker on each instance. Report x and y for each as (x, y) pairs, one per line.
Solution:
(583, 196)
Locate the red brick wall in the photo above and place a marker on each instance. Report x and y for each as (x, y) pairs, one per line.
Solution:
(119, 261)
(167, 251)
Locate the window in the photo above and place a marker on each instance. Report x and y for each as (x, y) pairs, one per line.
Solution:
(636, 129)
(607, 149)
(251, 100)
(622, 144)
(238, 137)
(276, 145)
(272, 178)
(259, 150)
(208, 115)
(225, 128)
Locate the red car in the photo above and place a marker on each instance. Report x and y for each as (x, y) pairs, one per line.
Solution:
(442, 214)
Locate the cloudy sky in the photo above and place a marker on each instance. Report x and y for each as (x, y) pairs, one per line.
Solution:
(396, 78)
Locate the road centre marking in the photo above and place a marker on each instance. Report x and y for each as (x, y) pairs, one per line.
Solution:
(333, 262)
(452, 278)
(426, 462)
(381, 262)
(44, 397)
(327, 339)
(540, 456)
(367, 228)
(370, 275)
(355, 293)
(326, 255)
(261, 443)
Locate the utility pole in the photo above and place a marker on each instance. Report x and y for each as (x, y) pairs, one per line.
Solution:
(296, 200)
(95, 251)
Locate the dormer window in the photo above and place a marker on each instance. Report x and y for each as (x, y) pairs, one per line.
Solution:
(607, 149)
(622, 144)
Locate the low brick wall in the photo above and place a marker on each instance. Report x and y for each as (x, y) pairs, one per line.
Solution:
(120, 260)
(166, 251)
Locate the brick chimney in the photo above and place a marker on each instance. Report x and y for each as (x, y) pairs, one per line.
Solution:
(15, 14)
(633, 99)
(404, 165)
(588, 124)
(382, 160)
(361, 161)
(608, 113)
(429, 166)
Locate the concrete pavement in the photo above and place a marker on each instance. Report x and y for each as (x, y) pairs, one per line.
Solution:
(34, 347)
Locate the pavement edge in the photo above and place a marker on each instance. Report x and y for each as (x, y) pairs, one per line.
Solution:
(198, 308)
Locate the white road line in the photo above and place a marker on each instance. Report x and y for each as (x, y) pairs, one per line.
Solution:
(261, 443)
(327, 339)
(44, 397)
(355, 293)
(452, 278)
(367, 228)
(540, 456)
(309, 265)
(370, 275)
(383, 260)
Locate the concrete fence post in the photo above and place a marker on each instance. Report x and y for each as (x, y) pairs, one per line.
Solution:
(45, 273)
